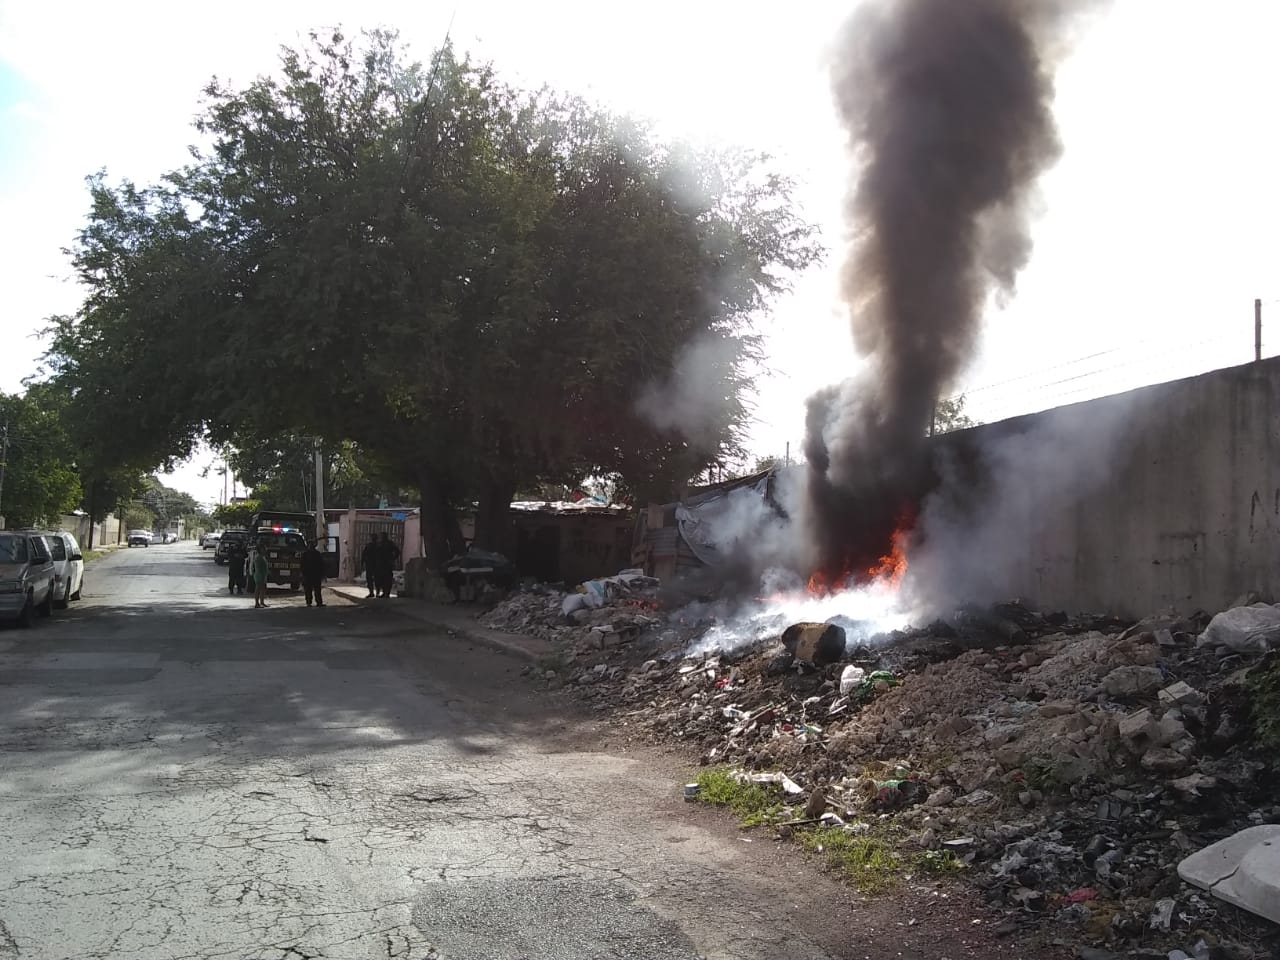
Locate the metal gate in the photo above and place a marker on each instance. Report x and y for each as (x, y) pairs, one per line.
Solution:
(367, 528)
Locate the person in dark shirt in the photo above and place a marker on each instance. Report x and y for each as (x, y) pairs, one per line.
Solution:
(369, 559)
(236, 558)
(388, 552)
(312, 574)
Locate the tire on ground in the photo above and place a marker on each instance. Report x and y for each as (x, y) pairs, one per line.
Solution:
(27, 615)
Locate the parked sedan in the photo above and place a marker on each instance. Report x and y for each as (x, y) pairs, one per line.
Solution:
(139, 538)
(68, 567)
(26, 576)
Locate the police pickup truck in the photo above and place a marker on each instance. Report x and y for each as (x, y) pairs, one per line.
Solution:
(283, 538)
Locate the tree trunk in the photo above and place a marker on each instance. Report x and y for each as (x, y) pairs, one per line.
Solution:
(440, 530)
(494, 530)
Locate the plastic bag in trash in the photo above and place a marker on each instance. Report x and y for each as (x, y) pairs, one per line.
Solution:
(1252, 629)
(850, 678)
(596, 591)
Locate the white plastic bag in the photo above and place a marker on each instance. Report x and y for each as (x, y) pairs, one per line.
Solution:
(597, 592)
(1252, 629)
(850, 677)
(572, 602)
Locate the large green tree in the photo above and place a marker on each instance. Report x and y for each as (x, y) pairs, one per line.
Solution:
(39, 480)
(473, 284)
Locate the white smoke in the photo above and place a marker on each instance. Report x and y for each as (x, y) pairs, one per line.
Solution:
(753, 533)
(697, 399)
(1008, 494)
(761, 536)
(866, 614)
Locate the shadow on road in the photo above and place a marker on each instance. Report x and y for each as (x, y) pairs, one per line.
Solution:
(127, 690)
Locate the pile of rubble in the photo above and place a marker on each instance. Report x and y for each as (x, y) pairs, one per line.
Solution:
(1068, 763)
(607, 612)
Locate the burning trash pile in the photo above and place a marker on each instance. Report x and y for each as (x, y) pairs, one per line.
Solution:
(1067, 764)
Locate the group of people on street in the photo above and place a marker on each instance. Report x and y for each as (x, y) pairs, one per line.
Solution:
(379, 560)
(248, 568)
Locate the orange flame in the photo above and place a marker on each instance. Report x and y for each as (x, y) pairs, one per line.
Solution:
(888, 571)
(891, 567)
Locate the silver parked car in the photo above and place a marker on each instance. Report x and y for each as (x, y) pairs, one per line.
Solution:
(68, 567)
(26, 576)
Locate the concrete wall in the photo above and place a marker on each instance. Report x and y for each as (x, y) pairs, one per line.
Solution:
(1167, 496)
(105, 533)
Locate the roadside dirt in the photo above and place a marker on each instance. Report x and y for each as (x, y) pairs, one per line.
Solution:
(925, 919)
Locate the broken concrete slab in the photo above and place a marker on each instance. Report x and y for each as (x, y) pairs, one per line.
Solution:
(1169, 730)
(1129, 680)
(1163, 761)
(1138, 728)
(1243, 870)
(1177, 694)
(1193, 784)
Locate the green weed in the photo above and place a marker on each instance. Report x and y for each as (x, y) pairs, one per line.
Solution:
(869, 863)
(754, 803)
(940, 863)
(1263, 686)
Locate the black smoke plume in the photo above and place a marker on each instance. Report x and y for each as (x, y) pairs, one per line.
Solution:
(947, 108)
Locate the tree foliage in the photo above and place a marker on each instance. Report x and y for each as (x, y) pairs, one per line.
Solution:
(40, 482)
(949, 415)
(137, 516)
(469, 282)
(236, 514)
(280, 470)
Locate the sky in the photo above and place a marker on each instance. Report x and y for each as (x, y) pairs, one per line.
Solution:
(1152, 240)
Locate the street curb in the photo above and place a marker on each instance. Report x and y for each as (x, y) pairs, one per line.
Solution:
(475, 636)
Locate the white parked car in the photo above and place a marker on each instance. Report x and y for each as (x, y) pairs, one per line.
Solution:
(68, 567)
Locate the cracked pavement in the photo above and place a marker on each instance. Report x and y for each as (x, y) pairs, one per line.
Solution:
(182, 776)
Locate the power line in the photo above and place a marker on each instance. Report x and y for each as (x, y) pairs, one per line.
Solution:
(1041, 388)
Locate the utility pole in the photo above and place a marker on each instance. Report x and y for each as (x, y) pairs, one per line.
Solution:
(1257, 330)
(322, 531)
(4, 460)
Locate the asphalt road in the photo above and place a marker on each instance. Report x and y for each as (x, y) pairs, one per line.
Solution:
(182, 776)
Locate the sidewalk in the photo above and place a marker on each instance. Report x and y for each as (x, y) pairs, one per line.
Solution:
(457, 620)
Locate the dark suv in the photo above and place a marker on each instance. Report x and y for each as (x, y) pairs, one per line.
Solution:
(239, 538)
